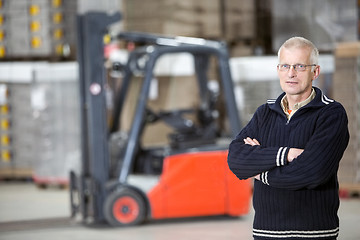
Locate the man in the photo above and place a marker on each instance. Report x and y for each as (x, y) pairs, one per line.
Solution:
(292, 146)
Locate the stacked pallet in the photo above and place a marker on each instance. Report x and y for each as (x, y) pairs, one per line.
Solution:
(37, 28)
(16, 121)
(39, 116)
(346, 82)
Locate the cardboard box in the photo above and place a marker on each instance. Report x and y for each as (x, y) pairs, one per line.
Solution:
(346, 91)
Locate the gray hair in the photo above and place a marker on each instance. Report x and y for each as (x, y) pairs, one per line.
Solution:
(300, 42)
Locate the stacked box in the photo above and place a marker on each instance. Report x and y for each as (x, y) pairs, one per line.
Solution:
(37, 28)
(240, 20)
(346, 90)
(169, 17)
(263, 27)
(6, 165)
(227, 20)
(21, 126)
(16, 121)
(14, 28)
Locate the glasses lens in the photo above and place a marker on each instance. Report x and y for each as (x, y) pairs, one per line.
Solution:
(284, 67)
(300, 67)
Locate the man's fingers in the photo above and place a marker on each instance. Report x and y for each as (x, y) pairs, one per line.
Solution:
(294, 153)
(251, 142)
(256, 141)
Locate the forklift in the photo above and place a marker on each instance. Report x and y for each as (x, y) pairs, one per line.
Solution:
(189, 174)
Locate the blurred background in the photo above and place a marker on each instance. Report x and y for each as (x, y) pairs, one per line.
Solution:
(40, 115)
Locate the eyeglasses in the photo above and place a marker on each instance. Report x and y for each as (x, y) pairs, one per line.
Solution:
(297, 67)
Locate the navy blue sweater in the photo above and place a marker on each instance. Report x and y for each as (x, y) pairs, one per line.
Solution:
(297, 200)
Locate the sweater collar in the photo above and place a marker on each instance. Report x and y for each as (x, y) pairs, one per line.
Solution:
(320, 100)
(285, 104)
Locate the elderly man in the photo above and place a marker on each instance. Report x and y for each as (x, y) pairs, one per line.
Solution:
(292, 147)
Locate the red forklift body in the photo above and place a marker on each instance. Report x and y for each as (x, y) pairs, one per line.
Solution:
(199, 184)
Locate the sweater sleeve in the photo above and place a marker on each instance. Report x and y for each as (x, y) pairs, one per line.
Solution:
(320, 158)
(246, 161)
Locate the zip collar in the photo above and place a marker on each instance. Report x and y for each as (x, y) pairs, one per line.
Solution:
(320, 100)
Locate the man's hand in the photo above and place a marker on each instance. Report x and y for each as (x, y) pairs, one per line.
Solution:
(251, 142)
(294, 153)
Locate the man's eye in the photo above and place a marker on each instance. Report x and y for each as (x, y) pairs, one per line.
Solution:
(285, 66)
(300, 66)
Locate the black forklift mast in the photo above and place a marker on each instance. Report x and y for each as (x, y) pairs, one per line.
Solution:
(92, 184)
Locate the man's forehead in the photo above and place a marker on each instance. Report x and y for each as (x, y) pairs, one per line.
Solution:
(300, 52)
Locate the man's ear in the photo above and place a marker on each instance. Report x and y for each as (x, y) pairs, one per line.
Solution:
(316, 72)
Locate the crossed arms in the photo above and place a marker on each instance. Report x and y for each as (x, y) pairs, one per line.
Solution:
(292, 154)
(306, 164)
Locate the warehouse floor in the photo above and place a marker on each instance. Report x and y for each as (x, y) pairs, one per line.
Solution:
(27, 212)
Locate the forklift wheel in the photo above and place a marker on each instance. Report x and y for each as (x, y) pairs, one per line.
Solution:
(124, 207)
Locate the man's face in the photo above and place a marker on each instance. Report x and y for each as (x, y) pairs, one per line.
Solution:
(297, 83)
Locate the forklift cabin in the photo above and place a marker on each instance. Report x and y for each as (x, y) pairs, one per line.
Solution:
(192, 175)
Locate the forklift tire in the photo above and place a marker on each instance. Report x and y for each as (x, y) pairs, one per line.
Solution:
(124, 207)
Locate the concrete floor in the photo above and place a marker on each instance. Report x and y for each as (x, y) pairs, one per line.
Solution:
(27, 212)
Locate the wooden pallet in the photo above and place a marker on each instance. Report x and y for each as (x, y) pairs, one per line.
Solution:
(349, 190)
(16, 173)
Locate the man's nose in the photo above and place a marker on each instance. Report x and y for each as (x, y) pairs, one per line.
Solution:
(292, 72)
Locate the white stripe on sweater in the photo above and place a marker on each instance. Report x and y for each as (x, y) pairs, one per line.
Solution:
(297, 234)
(271, 101)
(326, 100)
(264, 177)
(283, 157)
(280, 156)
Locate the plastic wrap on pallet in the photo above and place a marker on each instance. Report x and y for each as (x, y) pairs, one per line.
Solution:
(39, 114)
(55, 104)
